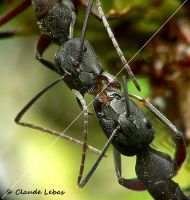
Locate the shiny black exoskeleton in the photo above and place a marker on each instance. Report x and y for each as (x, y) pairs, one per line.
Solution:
(83, 76)
(130, 132)
(135, 131)
(86, 76)
(56, 18)
(83, 71)
(134, 134)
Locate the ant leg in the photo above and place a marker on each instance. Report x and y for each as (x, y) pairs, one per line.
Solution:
(13, 13)
(180, 150)
(42, 45)
(61, 135)
(81, 107)
(116, 45)
(132, 184)
(85, 132)
(95, 165)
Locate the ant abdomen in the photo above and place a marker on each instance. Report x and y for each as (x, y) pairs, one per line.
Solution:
(42, 7)
(55, 18)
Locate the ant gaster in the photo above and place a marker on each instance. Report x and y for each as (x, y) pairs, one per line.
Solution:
(56, 21)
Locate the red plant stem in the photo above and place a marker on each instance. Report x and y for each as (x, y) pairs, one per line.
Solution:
(10, 15)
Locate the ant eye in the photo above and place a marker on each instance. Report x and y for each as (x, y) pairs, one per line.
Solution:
(84, 48)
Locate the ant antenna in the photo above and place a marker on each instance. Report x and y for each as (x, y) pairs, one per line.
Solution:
(128, 113)
(88, 10)
(116, 45)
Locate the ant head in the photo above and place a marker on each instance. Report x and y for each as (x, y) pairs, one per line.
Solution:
(136, 130)
(83, 74)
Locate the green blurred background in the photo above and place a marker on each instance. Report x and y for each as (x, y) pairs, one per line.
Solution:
(28, 160)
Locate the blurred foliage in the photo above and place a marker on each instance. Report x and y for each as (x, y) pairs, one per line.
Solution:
(26, 158)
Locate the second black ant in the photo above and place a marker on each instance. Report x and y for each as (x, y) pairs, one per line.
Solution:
(130, 132)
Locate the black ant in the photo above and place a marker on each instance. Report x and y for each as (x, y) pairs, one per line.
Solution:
(130, 132)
